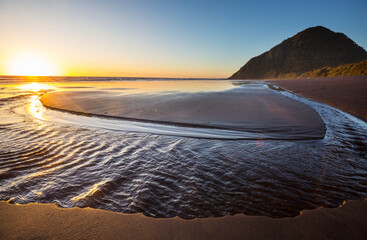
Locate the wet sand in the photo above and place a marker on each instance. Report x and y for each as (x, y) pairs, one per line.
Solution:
(346, 93)
(47, 221)
(250, 108)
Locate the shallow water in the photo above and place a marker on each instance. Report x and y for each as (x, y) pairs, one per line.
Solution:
(202, 109)
(50, 156)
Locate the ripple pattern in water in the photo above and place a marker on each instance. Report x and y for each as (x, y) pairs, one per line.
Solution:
(165, 176)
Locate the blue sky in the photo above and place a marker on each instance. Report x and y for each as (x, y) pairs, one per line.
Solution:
(165, 38)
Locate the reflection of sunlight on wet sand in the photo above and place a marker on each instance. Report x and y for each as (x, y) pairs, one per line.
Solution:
(38, 193)
(27, 178)
(131, 86)
(35, 87)
(35, 108)
(39, 174)
(94, 189)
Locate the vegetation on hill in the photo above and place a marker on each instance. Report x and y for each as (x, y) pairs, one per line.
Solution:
(352, 69)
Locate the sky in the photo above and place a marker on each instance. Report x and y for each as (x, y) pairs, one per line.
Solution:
(159, 38)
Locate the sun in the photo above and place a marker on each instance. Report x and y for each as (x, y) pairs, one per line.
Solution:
(31, 65)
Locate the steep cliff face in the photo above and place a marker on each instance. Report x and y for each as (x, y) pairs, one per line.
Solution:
(313, 48)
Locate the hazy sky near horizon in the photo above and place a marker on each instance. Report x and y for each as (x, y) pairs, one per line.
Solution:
(164, 38)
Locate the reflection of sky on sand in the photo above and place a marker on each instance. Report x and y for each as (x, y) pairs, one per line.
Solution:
(36, 109)
(13, 90)
(203, 109)
(137, 86)
(158, 86)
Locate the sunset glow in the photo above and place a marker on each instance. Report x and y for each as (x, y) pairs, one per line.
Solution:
(169, 39)
(31, 65)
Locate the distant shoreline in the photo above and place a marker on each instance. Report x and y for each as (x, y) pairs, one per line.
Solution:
(45, 79)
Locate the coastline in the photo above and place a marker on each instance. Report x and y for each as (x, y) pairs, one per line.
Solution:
(47, 221)
(346, 93)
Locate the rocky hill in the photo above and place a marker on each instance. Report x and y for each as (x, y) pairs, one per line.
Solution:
(311, 49)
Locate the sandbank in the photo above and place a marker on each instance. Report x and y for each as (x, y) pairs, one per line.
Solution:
(346, 93)
(254, 109)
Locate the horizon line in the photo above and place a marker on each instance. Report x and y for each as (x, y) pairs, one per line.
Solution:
(113, 77)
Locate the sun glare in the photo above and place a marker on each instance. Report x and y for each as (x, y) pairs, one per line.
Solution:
(35, 87)
(31, 65)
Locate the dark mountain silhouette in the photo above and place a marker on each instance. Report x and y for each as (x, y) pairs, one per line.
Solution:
(311, 49)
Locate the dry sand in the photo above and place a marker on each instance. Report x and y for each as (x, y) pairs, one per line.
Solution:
(47, 221)
(346, 93)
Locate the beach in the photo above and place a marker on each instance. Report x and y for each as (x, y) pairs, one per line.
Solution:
(346, 93)
(183, 120)
(47, 221)
(179, 187)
